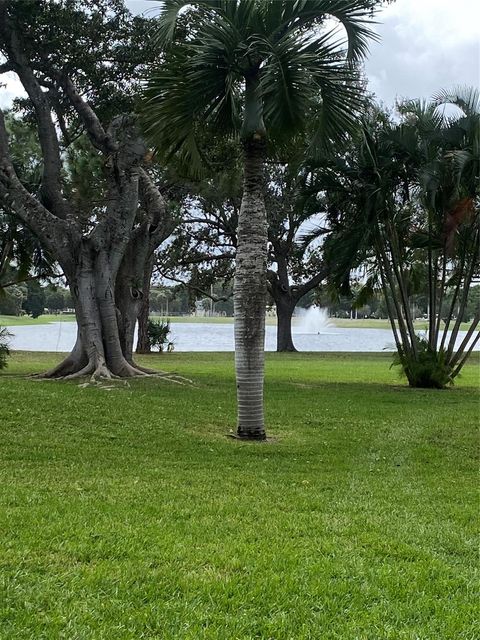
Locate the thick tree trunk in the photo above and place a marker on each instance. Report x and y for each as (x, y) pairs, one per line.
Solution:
(103, 346)
(143, 341)
(285, 299)
(129, 296)
(114, 245)
(106, 324)
(285, 309)
(250, 291)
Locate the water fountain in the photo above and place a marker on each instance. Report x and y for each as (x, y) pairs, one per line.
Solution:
(314, 320)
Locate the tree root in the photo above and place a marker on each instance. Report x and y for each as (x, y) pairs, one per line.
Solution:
(144, 369)
(69, 366)
(99, 371)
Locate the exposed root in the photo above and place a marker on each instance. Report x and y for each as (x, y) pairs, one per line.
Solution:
(80, 374)
(145, 369)
(99, 371)
(132, 369)
(69, 366)
(129, 371)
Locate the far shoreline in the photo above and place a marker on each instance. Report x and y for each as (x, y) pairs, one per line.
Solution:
(344, 323)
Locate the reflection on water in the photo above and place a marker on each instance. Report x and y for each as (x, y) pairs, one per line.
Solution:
(189, 336)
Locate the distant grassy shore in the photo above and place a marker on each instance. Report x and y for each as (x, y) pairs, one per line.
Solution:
(19, 321)
(367, 323)
(126, 513)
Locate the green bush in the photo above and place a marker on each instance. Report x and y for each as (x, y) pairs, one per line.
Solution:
(4, 351)
(158, 331)
(428, 369)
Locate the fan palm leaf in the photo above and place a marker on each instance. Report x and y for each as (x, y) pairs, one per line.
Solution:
(202, 77)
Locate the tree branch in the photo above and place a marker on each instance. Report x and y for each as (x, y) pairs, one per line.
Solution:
(162, 224)
(50, 229)
(6, 67)
(51, 188)
(193, 287)
(97, 134)
(303, 289)
(30, 278)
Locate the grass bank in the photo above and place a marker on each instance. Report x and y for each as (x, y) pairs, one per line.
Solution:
(19, 321)
(126, 513)
(361, 323)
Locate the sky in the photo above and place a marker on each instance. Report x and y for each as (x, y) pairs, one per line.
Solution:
(426, 45)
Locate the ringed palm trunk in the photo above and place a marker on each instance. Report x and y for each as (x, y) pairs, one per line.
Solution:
(250, 294)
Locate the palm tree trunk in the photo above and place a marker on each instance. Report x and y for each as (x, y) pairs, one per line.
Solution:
(250, 294)
(453, 303)
(461, 310)
(389, 277)
(440, 298)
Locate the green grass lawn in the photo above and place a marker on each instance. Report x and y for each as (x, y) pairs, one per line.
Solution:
(127, 514)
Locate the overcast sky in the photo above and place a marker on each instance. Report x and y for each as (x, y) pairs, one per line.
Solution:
(426, 45)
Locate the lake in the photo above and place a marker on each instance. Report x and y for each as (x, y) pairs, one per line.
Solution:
(60, 336)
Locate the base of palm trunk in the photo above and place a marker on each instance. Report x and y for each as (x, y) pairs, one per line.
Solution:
(258, 437)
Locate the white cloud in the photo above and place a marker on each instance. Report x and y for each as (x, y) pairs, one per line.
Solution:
(426, 45)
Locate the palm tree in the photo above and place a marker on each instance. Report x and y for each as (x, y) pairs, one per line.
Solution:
(253, 69)
(405, 204)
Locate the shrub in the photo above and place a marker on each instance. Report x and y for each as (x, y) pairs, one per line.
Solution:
(428, 369)
(158, 331)
(4, 351)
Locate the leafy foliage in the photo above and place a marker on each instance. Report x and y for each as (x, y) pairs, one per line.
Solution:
(158, 331)
(97, 43)
(428, 369)
(34, 304)
(21, 254)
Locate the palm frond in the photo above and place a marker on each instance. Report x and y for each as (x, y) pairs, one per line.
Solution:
(341, 103)
(465, 98)
(298, 64)
(353, 15)
(167, 20)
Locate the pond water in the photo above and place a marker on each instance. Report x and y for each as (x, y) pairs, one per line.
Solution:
(189, 336)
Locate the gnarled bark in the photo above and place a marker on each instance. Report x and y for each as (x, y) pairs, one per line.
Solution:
(103, 254)
(104, 268)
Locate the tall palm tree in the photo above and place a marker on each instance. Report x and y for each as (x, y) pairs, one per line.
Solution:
(254, 69)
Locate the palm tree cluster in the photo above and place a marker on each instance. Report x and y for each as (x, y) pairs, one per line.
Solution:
(406, 205)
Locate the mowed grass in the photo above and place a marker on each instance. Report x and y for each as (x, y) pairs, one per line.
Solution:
(126, 513)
